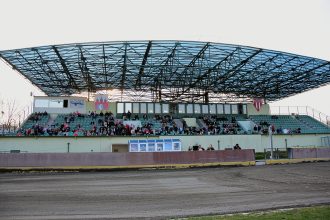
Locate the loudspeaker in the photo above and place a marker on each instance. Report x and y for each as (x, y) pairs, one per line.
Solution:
(240, 109)
(65, 103)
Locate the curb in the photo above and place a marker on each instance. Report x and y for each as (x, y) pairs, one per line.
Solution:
(292, 161)
(133, 167)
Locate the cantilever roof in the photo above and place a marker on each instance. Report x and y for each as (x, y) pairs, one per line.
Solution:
(169, 70)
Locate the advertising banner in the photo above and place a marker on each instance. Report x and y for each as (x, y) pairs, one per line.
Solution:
(101, 102)
(158, 145)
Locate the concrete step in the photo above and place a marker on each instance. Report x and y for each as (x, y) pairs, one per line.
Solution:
(260, 162)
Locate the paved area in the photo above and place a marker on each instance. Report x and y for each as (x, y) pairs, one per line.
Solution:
(162, 194)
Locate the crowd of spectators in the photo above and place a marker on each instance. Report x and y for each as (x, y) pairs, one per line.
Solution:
(105, 124)
(200, 148)
(37, 116)
(36, 129)
(264, 128)
(220, 125)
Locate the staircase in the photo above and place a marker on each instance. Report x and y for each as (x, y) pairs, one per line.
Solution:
(51, 119)
(201, 123)
(178, 123)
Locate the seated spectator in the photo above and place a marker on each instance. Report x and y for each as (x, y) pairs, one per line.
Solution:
(129, 115)
(210, 147)
(237, 147)
(200, 148)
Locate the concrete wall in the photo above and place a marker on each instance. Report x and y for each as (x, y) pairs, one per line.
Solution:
(225, 141)
(122, 159)
(191, 122)
(60, 144)
(298, 153)
(69, 109)
(104, 144)
(292, 140)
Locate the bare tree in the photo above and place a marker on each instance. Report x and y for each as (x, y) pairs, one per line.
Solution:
(9, 114)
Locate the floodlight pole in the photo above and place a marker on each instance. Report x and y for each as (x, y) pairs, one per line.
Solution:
(270, 132)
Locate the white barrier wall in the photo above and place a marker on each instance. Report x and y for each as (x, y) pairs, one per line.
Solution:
(59, 105)
(104, 144)
(292, 140)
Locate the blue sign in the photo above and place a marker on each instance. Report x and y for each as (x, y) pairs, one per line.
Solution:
(157, 145)
(76, 103)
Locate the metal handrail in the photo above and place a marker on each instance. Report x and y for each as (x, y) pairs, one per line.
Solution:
(301, 110)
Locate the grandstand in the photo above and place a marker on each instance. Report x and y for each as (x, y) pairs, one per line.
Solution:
(110, 93)
(107, 125)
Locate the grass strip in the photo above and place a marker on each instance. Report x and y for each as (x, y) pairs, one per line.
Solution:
(313, 213)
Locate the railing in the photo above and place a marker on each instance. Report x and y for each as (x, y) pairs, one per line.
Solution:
(325, 141)
(301, 110)
(278, 153)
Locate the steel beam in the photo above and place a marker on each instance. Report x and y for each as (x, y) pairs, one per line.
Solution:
(144, 61)
(66, 70)
(84, 71)
(124, 67)
(201, 77)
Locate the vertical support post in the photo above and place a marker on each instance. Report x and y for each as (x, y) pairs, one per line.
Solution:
(271, 141)
(159, 95)
(271, 146)
(206, 97)
(286, 144)
(218, 144)
(68, 147)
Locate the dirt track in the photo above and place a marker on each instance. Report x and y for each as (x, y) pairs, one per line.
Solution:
(162, 194)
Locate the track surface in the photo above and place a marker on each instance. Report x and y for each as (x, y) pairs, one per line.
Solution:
(162, 194)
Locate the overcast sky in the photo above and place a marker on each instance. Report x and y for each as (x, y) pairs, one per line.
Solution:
(296, 26)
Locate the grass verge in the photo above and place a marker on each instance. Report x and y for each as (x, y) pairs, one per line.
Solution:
(313, 213)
